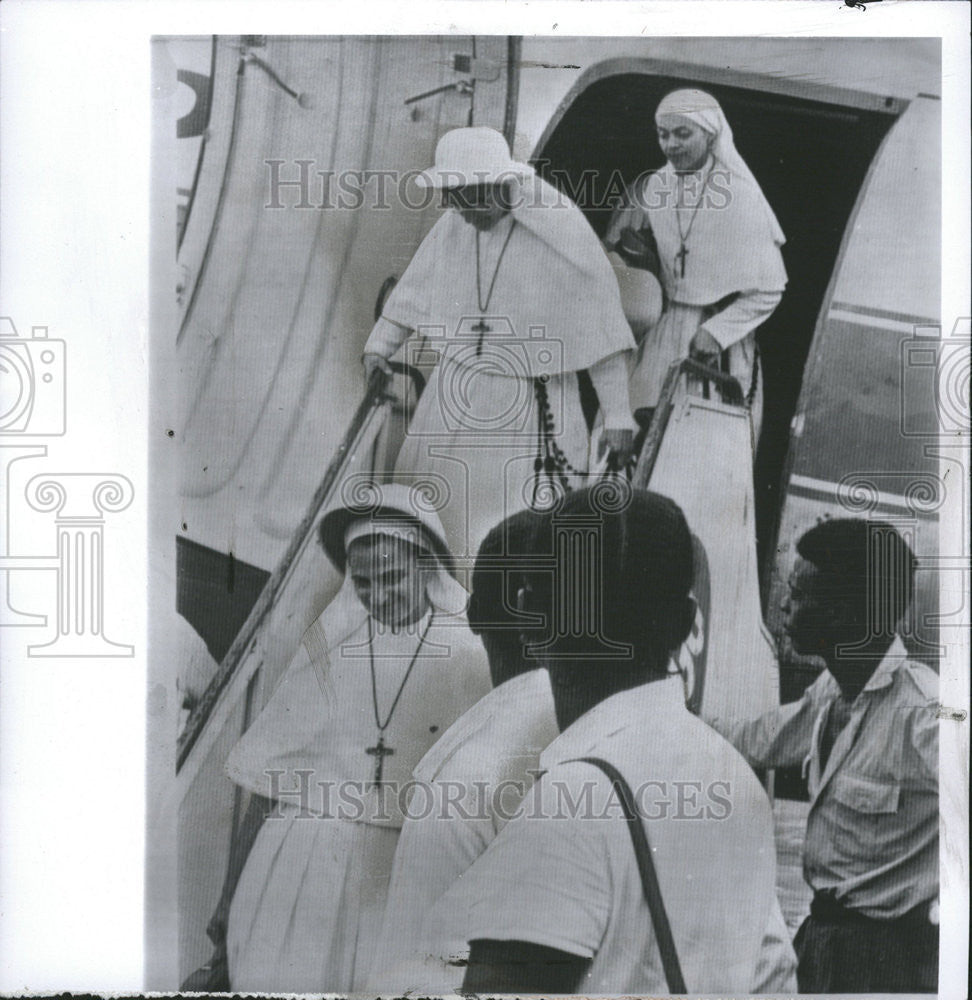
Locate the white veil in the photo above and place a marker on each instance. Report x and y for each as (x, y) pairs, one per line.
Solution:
(705, 111)
(291, 732)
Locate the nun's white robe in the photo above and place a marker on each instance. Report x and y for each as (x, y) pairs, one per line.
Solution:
(307, 910)
(734, 274)
(554, 310)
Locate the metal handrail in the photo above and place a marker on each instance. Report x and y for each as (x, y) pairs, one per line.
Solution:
(375, 397)
(727, 384)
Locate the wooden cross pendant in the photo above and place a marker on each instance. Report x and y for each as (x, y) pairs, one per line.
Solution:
(680, 257)
(481, 327)
(379, 752)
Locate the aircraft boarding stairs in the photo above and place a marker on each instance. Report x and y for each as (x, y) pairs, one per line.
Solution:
(698, 452)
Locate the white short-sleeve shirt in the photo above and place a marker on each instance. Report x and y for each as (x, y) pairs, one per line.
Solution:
(563, 872)
(467, 786)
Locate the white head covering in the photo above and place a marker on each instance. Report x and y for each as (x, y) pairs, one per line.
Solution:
(292, 730)
(445, 593)
(705, 111)
(476, 155)
(556, 279)
(732, 235)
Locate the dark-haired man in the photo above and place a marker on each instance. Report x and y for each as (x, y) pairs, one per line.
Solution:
(867, 732)
(558, 904)
(474, 777)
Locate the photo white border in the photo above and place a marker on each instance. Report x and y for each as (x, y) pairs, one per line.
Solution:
(75, 124)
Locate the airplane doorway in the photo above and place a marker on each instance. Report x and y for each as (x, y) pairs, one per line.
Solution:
(810, 159)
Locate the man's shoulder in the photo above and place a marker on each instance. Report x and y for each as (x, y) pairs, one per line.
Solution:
(682, 743)
(917, 683)
(907, 713)
(510, 724)
(446, 757)
(684, 769)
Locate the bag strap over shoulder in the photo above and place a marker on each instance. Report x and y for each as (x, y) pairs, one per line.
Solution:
(649, 877)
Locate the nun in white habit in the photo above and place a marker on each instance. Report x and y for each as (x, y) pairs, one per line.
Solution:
(387, 668)
(718, 245)
(513, 290)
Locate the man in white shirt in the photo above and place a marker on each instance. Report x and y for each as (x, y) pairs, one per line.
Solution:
(559, 904)
(473, 778)
(867, 732)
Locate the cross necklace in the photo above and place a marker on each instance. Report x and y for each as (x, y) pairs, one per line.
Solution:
(380, 751)
(482, 326)
(683, 237)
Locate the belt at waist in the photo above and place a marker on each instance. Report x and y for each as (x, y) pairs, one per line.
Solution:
(826, 908)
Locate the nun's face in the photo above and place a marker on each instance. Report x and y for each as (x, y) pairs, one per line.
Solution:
(481, 205)
(387, 579)
(686, 145)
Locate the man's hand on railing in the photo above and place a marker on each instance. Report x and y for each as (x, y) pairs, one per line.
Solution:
(375, 363)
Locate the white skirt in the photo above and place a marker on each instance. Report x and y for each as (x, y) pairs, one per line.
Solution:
(670, 340)
(307, 911)
(474, 439)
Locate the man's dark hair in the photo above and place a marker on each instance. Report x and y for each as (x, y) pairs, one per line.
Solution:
(502, 566)
(623, 562)
(867, 570)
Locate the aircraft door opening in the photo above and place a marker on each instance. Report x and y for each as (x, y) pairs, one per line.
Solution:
(810, 159)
